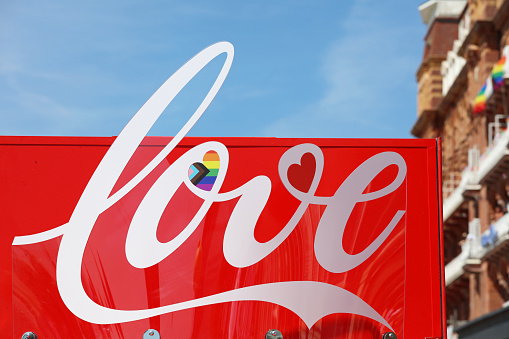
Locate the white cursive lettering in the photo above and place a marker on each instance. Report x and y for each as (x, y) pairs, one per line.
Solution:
(240, 247)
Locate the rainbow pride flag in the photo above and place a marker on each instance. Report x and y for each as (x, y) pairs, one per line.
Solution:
(484, 94)
(480, 101)
(497, 73)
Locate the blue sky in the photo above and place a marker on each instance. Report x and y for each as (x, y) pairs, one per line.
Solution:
(302, 68)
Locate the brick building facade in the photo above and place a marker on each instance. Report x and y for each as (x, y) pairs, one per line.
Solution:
(462, 99)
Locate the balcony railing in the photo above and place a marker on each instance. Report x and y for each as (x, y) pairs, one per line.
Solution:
(477, 246)
(478, 167)
(450, 69)
(469, 250)
(450, 184)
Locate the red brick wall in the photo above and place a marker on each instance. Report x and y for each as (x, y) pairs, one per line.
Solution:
(440, 37)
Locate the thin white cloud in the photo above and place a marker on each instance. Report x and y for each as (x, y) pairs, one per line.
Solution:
(367, 73)
(79, 61)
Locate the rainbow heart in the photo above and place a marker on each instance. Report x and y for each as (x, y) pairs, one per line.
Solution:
(204, 174)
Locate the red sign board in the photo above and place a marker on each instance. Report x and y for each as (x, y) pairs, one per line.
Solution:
(317, 238)
(143, 237)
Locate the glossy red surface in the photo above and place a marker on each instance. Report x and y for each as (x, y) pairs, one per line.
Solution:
(43, 178)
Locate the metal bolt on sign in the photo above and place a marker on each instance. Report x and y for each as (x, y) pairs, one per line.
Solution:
(273, 334)
(29, 335)
(151, 334)
(389, 335)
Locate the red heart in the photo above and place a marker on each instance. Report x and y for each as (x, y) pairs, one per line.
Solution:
(301, 175)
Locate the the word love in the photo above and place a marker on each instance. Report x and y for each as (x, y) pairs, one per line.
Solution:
(240, 247)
